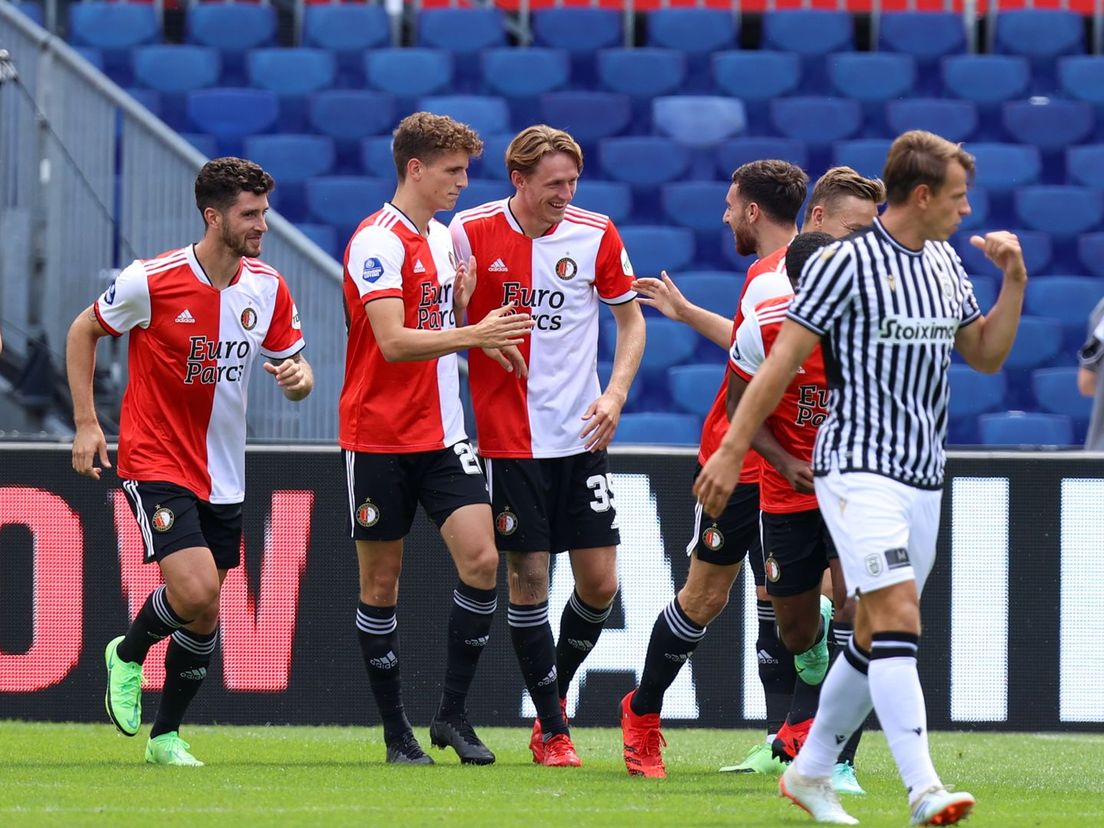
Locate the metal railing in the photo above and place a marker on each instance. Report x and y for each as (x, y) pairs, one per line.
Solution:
(90, 180)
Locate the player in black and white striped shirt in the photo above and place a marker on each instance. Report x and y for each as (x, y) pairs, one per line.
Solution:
(887, 304)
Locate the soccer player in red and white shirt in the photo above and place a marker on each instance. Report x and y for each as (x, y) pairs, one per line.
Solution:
(197, 318)
(544, 421)
(761, 209)
(402, 428)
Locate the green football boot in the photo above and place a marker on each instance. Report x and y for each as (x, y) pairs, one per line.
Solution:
(812, 665)
(170, 749)
(844, 780)
(123, 698)
(760, 759)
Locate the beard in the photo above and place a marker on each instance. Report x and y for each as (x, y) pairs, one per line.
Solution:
(745, 242)
(238, 245)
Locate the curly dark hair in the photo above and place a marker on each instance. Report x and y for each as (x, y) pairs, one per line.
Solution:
(222, 179)
(778, 187)
(801, 249)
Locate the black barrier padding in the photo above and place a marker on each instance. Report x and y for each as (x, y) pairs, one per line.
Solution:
(327, 683)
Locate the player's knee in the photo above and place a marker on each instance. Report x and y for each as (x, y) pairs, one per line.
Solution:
(480, 569)
(797, 637)
(703, 603)
(598, 593)
(379, 588)
(193, 597)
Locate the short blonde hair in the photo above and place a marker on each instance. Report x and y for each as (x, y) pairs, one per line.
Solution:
(426, 136)
(533, 143)
(917, 158)
(839, 182)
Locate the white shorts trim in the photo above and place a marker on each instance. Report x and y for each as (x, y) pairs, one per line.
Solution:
(884, 531)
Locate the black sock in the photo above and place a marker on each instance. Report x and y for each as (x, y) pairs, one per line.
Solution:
(803, 705)
(776, 668)
(841, 636)
(536, 654)
(378, 631)
(186, 662)
(580, 626)
(469, 629)
(674, 639)
(155, 621)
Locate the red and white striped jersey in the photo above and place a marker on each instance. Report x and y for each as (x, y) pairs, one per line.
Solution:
(800, 412)
(766, 278)
(400, 407)
(559, 279)
(191, 352)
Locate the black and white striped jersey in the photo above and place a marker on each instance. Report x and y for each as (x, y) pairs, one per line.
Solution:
(887, 317)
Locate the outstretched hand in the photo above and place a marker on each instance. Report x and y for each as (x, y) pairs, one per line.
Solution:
(661, 294)
(1002, 248)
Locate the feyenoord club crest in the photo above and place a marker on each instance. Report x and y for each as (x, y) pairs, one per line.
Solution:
(367, 513)
(566, 268)
(163, 519)
(713, 538)
(249, 319)
(772, 569)
(506, 523)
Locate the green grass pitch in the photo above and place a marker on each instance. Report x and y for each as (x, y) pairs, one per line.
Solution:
(56, 774)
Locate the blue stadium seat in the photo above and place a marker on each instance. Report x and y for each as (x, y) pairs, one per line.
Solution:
(1041, 36)
(93, 56)
(291, 160)
(699, 122)
(812, 33)
(376, 158)
(1055, 391)
(972, 393)
(714, 290)
(1067, 299)
(174, 71)
(927, 36)
(611, 198)
(655, 248)
(693, 387)
(465, 32)
(954, 120)
(986, 79)
(231, 114)
(520, 75)
(485, 114)
(348, 30)
(479, 191)
(1085, 165)
(114, 29)
(1021, 428)
(672, 343)
(1038, 342)
(588, 116)
(1051, 125)
(1036, 246)
(1063, 212)
(1082, 77)
(1090, 252)
(605, 370)
(699, 206)
(206, 144)
(697, 32)
(658, 429)
(738, 151)
(872, 77)
(642, 74)
(292, 74)
(1003, 167)
(756, 78)
(819, 122)
(233, 29)
(348, 116)
(149, 98)
(409, 73)
(581, 32)
(985, 291)
(493, 162)
(642, 162)
(867, 155)
(344, 201)
(324, 236)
